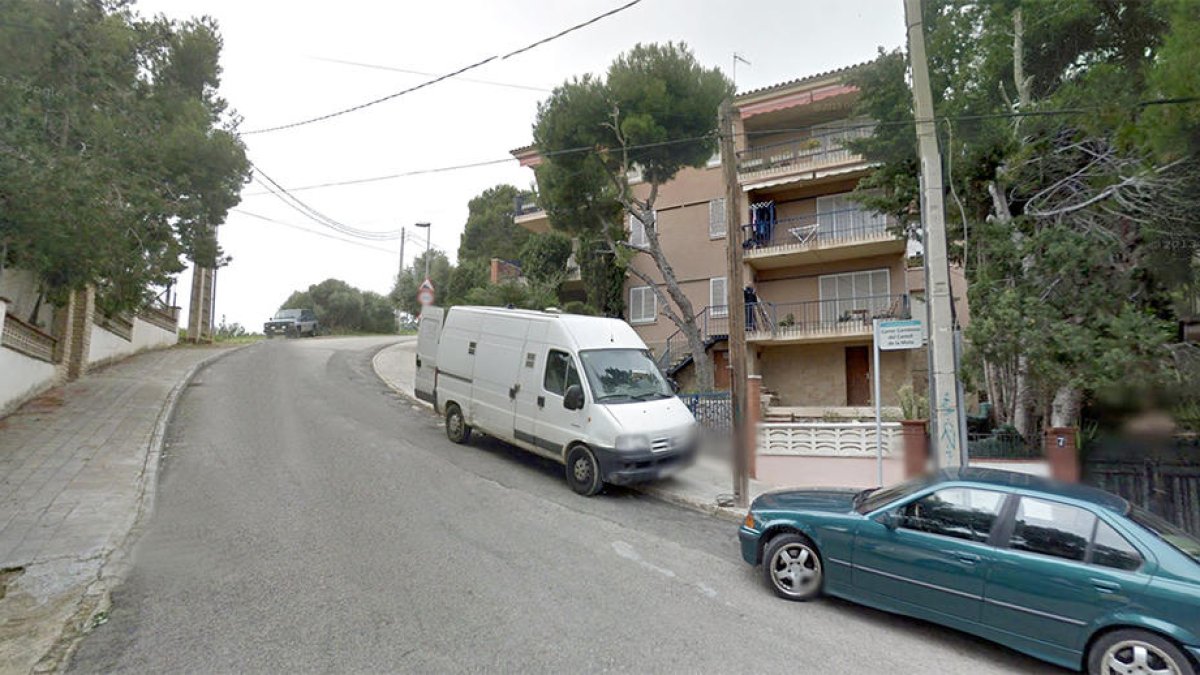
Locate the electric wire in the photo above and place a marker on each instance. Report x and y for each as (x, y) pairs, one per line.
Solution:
(460, 71)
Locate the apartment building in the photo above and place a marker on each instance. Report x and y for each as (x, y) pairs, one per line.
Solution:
(820, 265)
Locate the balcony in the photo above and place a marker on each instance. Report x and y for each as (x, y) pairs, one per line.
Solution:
(807, 158)
(819, 237)
(529, 215)
(821, 320)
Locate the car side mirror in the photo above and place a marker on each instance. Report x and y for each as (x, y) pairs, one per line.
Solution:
(573, 397)
(888, 519)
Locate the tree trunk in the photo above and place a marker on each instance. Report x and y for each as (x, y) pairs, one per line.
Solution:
(1064, 411)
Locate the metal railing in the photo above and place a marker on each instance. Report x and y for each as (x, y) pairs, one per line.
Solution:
(844, 315)
(713, 323)
(818, 229)
(526, 204)
(28, 340)
(1001, 445)
(799, 154)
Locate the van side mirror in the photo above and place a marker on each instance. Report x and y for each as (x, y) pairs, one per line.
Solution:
(888, 519)
(674, 384)
(573, 397)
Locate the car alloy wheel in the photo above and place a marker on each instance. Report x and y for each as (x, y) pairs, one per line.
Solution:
(1134, 656)
(794, 567)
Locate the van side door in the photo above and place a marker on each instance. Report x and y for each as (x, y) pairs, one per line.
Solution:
(530, 399)
(428, 333)
(498, 357)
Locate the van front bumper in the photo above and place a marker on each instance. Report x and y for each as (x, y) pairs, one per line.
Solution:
(624, 468)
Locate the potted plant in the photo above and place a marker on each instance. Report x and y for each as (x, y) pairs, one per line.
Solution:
(914, 409)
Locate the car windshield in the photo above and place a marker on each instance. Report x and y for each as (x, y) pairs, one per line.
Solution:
(287, 314)
(873, 498)
(1176, 537)
(623, 376)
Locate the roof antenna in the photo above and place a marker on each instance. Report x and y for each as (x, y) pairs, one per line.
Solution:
(737, 57)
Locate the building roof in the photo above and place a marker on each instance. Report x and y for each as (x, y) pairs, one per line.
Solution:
(802, 80)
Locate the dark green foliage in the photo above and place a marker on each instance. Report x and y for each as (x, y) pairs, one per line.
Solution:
(603, 277)
(117, 156)
(342, 308)
(544, 257)
(404, 293)
(490, 231)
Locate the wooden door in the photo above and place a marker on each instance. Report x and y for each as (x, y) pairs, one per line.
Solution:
(858, 376)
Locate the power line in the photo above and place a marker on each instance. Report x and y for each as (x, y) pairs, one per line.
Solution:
(295, 203)
(316, 232)
(460, 71)
(408, 71)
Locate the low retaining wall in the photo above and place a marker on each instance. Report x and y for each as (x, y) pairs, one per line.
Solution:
(827, 454)
(107, 346)
(22, 376)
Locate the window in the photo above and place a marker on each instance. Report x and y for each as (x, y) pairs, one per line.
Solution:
(1053, 529)
(637, 230)
(560, 373)
(840, 217)
(855, 295)
(643, 305)
(1110, 549)
(718, 297)
(716, 218)
(961, 513)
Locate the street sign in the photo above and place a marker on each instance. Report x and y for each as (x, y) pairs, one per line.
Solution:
(425, 293)
(893, 335)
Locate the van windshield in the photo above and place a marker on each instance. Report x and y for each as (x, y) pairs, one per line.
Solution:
(623, 376)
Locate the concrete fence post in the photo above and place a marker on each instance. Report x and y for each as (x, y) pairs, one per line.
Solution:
(1061, 454)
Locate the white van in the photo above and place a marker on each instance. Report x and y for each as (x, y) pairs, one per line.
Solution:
(580, 390)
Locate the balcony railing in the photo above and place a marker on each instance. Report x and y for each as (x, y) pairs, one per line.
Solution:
(817, 230)
(767, 320)
(802, 154)
(526, 204)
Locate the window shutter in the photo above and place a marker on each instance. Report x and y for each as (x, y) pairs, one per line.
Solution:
(718, 297)
(716, 218)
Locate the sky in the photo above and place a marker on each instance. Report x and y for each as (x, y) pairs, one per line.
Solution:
(287, 61)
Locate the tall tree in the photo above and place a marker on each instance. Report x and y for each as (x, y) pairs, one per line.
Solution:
(118, 157)
(404, 292)
(490, 231)
(655, 111)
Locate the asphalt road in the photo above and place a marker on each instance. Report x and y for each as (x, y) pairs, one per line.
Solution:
(309, 519)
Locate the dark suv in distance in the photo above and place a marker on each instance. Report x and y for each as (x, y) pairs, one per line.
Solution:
(292, 323)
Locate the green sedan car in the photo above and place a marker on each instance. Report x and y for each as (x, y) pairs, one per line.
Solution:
(1066, 573)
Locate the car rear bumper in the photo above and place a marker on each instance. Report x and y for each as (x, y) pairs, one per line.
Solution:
(749, 543)
(624, 468)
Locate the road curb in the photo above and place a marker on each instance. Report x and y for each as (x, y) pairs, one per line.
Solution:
(403, 392)
(93, 607)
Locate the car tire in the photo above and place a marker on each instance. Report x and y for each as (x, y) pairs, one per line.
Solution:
(583, 471)
(792, 567)
(1130, 648)
(457, 429)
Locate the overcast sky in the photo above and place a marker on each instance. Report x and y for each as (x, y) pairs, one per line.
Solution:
(281, 64)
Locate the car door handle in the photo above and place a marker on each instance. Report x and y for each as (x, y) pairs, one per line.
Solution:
(1105, 586)
(968, 558)
(541, 400)
(512, 391)
(418, 362)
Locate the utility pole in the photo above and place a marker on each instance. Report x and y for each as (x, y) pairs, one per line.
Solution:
(401, 273)
(737, 310)
(945, 400)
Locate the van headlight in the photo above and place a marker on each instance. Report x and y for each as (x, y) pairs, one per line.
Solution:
(633, 443)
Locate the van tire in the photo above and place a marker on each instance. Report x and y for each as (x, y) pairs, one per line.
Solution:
(583, 471)
(457, 429)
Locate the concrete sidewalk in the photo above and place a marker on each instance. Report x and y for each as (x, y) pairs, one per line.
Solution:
(78, 468)
(705, 486)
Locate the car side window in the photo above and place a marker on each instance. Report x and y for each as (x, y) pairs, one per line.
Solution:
(962, 513)
(1053, 529)
(1110, 549)
(560, 372)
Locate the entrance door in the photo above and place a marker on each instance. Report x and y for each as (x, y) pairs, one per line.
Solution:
(858, 376)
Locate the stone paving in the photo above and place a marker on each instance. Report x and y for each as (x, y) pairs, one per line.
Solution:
(77, 470)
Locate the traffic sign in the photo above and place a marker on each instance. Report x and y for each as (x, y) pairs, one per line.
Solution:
(893, 335)
(425, 293)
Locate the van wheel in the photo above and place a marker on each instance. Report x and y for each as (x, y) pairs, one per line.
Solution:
(583, 471)
(457, 429)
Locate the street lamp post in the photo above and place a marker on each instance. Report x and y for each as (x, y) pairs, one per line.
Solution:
(427, 228)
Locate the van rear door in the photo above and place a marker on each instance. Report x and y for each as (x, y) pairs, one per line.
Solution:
(428, 332)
